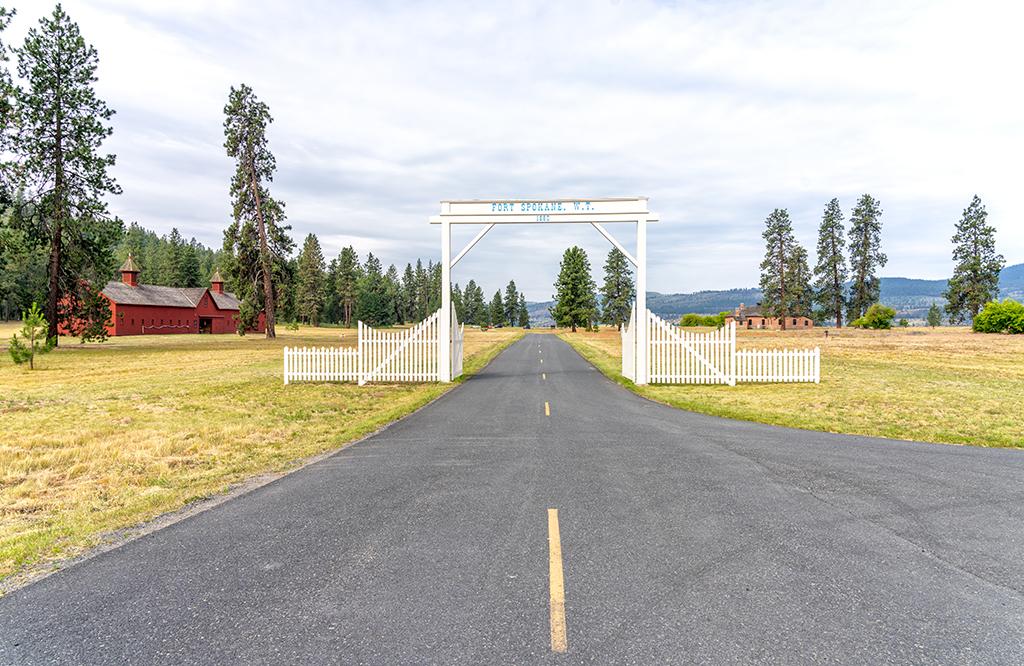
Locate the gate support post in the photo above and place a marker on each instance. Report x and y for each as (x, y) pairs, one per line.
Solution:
(641, 338)
(444, 333)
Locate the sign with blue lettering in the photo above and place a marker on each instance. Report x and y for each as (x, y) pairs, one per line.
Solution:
(526, 211)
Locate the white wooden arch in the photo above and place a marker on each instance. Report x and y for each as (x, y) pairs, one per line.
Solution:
(596, 212)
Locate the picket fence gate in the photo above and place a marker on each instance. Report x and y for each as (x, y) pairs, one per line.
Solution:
(380, 355)
(677, 356)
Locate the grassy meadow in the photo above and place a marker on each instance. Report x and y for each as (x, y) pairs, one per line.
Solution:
(946, 385)
(104, 436)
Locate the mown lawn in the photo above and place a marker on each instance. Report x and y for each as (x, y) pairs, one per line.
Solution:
(946, 385)
(104, 436)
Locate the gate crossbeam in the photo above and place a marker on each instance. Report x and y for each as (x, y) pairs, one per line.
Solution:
(617, 244)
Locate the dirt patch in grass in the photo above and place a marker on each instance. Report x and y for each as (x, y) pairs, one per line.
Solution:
(946, 385)
(105, 436)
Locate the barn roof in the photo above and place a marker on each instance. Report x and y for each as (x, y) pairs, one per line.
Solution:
(175, 297)
(225, 301)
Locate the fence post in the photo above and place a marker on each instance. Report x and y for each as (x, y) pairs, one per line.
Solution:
(286, 366)
(359, 348)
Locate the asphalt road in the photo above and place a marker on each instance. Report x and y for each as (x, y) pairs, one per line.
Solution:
(684, 538)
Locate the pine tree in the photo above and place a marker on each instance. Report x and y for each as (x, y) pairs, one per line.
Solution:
(422, 291)
(830, 271)
(524, 312)
(801, 293)
(511, 301)
(408, 294)
(60, 126)
(189, 272)
(618, 291)
(372, 307)
(496, 313)
(349, 274)
(575, 300)
(866, 256)
(34, 340)
(332, 304)
(434, 289)
(256, 213)
(310, 281)
(393, 295)
(473, 303)
(934, 316)
(975, 279)
(777, 285)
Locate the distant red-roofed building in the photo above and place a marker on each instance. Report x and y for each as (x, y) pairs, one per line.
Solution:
(146, 309)
(754, 318)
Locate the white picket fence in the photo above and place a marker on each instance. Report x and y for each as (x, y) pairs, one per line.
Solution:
(778, 365)
(321, 364)
(399, 355)
(678, 356)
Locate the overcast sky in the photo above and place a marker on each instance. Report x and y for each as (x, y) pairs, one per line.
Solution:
(717, 111)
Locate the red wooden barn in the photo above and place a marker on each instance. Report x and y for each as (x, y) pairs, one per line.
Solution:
(146, 309)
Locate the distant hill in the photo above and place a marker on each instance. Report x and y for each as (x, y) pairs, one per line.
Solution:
(909, 296)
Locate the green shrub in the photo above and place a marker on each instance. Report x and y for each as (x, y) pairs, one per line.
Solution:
(878, 316)
(292, 326)
(1000, 317)
(694, 319)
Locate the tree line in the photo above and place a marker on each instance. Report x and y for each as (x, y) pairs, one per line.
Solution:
(346, 290)
(845, 280)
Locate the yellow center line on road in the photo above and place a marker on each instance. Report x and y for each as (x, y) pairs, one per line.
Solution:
(547, 408)
(556, 584)
(543, 375)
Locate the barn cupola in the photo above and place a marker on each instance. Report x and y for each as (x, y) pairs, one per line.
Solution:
(130, 272)
(217, 282)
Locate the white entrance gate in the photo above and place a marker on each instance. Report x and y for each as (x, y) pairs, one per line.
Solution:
(596, 212)
(677, 356)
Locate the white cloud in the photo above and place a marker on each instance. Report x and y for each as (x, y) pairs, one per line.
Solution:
(717, 111)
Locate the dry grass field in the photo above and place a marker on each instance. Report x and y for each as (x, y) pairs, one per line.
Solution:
(944, 385)
(104, 436)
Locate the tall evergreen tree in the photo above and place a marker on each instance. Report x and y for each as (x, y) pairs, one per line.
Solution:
(256, 213)
(934, 315)
(618, 290)
(800, 283)
(496, 312)
(975, 278)
(408, 294)
(332, 304)
(349, 274)
(866, 256)
(310, 281)
(524, 312)
(511, 301)
(60, 127)
(575, 300)
(422, 291)
(784, 273)
(830, 271)
(473, 300)
(393, 295)
(434, 288)
(189, 273)
(372, 303)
